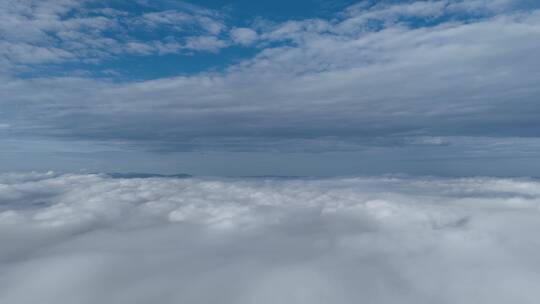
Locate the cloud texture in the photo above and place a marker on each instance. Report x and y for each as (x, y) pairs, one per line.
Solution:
(95, 239)
(372, 74)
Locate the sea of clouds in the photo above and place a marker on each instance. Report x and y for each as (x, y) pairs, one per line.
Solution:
(91, 238)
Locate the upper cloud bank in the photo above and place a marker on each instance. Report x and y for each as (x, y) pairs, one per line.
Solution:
(386, 74)
(94, 239)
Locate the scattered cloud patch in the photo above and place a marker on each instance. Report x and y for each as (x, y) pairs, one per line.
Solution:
(34, 33)
(243, 36)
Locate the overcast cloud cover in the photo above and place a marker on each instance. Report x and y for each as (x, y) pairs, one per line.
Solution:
(95, 239)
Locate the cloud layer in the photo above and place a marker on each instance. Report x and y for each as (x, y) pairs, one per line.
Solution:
(59, 31)
(92, 238)
(379, 74)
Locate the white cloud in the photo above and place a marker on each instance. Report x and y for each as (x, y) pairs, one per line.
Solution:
(166, 17)
(183, 21)
(208, 43)
(139, 48)
(37, 32)
(244, 36)
(89, 238)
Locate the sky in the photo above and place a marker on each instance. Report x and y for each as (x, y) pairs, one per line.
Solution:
(335, 151)
(241, 88)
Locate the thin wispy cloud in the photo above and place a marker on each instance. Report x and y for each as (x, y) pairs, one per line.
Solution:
(41, 32)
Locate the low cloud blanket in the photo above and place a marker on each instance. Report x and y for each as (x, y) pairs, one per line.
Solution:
(91, 238)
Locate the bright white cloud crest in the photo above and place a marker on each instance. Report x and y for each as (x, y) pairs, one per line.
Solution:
(94, 239)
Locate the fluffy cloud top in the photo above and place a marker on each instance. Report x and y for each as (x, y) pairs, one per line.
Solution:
(95, 239)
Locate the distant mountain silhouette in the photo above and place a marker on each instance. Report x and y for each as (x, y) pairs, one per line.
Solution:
(147, 175)
(275, 176)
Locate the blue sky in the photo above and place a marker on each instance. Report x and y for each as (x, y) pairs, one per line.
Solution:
(271, 87)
